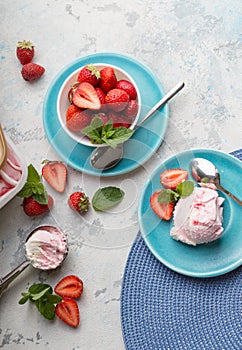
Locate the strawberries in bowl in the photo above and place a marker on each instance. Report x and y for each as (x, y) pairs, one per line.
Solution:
(99, 97)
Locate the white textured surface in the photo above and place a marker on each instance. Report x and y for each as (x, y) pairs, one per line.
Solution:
(194, 41)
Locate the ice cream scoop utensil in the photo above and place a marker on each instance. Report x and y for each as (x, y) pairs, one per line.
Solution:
(3, 148)
(6, 280)
(205, 171)
(104, 158)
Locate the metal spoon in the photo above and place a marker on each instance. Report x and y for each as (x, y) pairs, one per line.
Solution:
(5, 281)
(202, 169)
(104, 158)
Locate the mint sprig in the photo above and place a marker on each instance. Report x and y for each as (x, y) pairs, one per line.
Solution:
(106, 198)
(34, 187)
(100, 133)
(183, 190)
(42, 296)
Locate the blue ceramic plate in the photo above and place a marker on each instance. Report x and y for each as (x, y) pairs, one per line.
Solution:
(206, 260)
(145, 140)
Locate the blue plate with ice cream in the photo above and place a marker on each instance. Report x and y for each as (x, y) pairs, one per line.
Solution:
(203, 260)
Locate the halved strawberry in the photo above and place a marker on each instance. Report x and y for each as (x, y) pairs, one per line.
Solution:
(164, 211)
(70, 286)
(171, 178)
(55, 174)
(76, 118)
(108, 79)
(117, 99)
(67, 310)
(85, 96)
(128, 87)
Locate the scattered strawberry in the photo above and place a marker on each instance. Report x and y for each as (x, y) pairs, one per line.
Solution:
(117, 99)
(33, 208)
(32, 71)
(71, 91)
(86, 96)
(79, 202)
(89, 74)
(55, 174)
(128, 87)
(76, 118)
(171, 178)
(102, 96)
(108, 79)
(70, 287)
(132, 109)
(67, 310)
(163, 210)
(25, 51)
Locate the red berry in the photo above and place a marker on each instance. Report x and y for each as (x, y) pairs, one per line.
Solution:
(117, 99)
(128, 87)
(89, 74)
(85, 96)
(171, 178)
(70, 287)
(55, 174)
(76, 118)
(108, 79)
(33, 208)
(78, 202)
(132, 109)
(67, 310)
(25, 51)
(32, 71)
(163, 210)
(102, 96)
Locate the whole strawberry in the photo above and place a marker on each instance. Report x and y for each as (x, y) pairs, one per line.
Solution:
(79, 202)
(108, 79)
(33, 208)
(25, 51)
(117, 99)
(128, 87)
(32, 71)
(77, 118)
(89, 74)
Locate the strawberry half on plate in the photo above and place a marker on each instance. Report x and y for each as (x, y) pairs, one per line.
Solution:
(86, 97)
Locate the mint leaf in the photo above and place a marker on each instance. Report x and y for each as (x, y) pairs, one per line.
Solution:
(100, 133)
(185, 189)
(34, 187)
(42, 296)
(107, 197)
(167, 196)
(33, 175)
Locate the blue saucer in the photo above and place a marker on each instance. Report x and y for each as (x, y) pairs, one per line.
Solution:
(145, 141)
(205, 260)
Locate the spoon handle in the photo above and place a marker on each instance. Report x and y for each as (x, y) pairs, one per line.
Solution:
(161, 103)
(6, 280)
(221, 188)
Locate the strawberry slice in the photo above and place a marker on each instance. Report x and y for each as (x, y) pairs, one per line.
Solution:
(70, 287)
(164, 211)
(85, 96)
(55, 174)
(67, 310)
(171, 178)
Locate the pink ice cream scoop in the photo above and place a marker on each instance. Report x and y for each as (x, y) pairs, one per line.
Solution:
(198, 218)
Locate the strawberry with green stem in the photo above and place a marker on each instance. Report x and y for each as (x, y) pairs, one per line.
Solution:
(25, 51)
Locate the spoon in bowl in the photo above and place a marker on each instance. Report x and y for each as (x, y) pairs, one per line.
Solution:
(45, 249)
(205, 171)
(104, 158)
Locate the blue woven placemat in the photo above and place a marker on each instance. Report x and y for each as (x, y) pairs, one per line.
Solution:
(163, 310)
